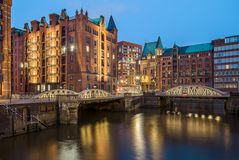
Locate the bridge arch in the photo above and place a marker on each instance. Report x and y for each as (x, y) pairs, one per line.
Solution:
(55, 93)
(194, 91)
(94, 93)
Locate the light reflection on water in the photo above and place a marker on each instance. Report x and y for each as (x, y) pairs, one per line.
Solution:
(138, 136)
(143, 135)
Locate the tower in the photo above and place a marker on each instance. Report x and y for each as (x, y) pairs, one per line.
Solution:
(5, 48)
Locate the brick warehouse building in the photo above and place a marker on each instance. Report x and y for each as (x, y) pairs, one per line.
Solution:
(5, 48)
(149, 76)
(129, 55)
(163, 69)
(17, 62)
(75, 53)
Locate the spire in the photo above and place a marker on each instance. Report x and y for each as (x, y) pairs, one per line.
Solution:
(43, 21)
(26, 27)
(159, 43)
(63, 14)
(175, 45)
(77, 12)
(111, 24)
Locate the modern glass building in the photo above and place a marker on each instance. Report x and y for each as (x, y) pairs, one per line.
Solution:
(226, 64)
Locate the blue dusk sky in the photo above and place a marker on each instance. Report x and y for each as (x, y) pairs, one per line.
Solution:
(182, 21)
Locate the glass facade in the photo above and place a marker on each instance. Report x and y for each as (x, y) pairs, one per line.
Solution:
(226, 47)
(226, 73)
(226, 54)
(232, 39)
(226, 60)
(226, 64)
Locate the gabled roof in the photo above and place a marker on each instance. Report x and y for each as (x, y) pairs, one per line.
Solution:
(159, 43)
(175, 45)
(111, 24)
(149, 48)
(189, 49)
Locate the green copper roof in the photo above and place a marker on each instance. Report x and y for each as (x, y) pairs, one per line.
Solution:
(111, 24)
(196, 48)
(167, 52)
(149, 48)
(96, 21)
(189, 49)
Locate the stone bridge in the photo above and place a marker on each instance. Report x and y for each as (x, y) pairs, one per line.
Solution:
(63, 106)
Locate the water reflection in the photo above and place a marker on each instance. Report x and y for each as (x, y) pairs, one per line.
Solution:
(143, 135)
(86, 136)
(96, 139)
(138, 136)
(155, 137)
(68, 150)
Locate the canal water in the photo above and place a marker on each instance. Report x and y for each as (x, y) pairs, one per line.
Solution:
(146, 134)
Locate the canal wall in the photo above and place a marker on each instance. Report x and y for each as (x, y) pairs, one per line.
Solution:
(150, 100)
(25, 118)
(21, 119)
(232, 105)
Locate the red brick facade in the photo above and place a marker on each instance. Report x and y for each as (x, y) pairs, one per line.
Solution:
(17, 64)
(162, 69)
(5, 48)
(75, 53)
(129, 55)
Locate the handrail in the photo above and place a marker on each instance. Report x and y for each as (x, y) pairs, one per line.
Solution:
(39, 121)
(13, 111)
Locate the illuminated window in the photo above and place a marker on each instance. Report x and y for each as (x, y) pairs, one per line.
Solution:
(38, 88)
(64, 49)
(72, 48)
(227, 66)
(21, 65)
(87, 48)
